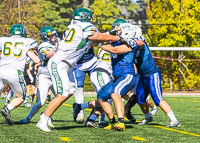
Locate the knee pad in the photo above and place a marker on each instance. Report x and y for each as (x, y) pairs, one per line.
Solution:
(80, 77)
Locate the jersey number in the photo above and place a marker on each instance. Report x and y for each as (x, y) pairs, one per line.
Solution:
(105, 57)
(7, 49)
(70, 35)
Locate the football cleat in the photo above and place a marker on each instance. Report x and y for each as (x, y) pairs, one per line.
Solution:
(27, 105)
(42, 124)
(92, 124)
(119, 126)
(145, 121)
(129, 116)
(174, 124)
(76, 110)
(110, 126)
(154, 111)
(80, 117)
(25, 121)
(6, 113)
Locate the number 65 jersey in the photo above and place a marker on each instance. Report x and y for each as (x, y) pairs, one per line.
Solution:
(13, 51)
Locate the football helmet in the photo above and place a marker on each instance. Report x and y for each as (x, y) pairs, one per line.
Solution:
(118, 22)
(138, 31)
(128, 30)
(18, 30)
(46, 32)
(83, 15)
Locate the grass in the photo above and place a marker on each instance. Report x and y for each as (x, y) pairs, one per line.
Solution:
(185, 109)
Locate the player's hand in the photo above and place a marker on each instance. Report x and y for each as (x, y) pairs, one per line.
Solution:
(124, 40)
(113, 32)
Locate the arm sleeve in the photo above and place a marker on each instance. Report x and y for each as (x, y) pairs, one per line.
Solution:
(89, 31)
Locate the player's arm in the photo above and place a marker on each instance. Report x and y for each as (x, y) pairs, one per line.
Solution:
(121, 49)
(140, 44)
(102, 37)
(50, 54)
(33, 56)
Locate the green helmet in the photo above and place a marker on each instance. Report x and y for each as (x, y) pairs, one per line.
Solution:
(18, 30)
(83, 15)
(118, 22)
(46, 32)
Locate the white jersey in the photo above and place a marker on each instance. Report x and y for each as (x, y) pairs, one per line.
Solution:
(74, 43)
(13, 51)
(104, 61)
(44, 49)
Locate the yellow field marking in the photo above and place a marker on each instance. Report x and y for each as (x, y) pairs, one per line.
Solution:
(138, 138)
(182, 132)
(93, 99)
(198, 108)
(68, 105)
(65, 139)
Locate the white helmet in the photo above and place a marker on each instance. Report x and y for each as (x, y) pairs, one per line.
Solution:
(138, 31)
(128, 30)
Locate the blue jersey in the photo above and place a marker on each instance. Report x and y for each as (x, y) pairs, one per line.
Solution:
(86, 56)
(145, 63)
(123, 63)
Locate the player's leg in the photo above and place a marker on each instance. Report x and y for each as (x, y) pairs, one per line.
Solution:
(153, 107)
(49, 95)
(103, 95)
(142, 93)
(122, 86)
(156, 93)
(9, 96)
(99, 78)
(17, 84)
(131, 102)
(44, 82)
(61, 86)
(79, 97)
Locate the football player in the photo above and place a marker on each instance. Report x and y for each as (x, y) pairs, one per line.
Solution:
(46, 49)
(150, 83)
(78, 37)
(122, 57)
(14, 51)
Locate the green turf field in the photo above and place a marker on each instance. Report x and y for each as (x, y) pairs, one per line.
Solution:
(186, 109)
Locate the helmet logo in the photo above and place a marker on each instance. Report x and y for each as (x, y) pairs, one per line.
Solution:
(85, 15)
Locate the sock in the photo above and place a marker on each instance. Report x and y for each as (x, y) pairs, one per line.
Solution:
(172, 116)
(121, 120)
(93, 117)
(44, 117)
(10, 107)
(154, 107)
(112, 120)
(33, 111)
(84, 105)
(131, 102)
(25, 101)
(147, 116)
(27, 95)
(102, 116)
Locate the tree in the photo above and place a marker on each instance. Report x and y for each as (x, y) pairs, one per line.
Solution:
(175, 23)
(106, 11)
(26, 12)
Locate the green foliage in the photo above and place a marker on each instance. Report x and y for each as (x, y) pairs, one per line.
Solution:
(107, 11)
(28, 13)
(176, 24)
